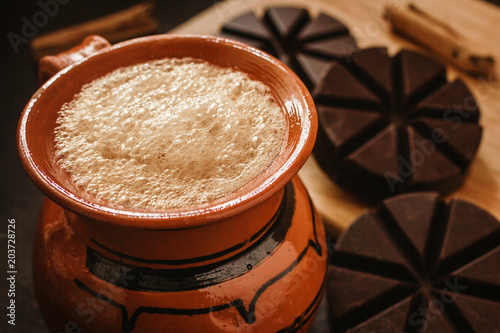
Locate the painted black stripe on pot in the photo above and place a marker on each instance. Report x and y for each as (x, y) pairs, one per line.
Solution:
(206, 257)
(314, 243)
(128, 323)
(140, 278)
(248, 315)
(309, 312)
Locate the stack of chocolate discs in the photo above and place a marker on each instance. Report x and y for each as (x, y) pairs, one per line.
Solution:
(389, 125)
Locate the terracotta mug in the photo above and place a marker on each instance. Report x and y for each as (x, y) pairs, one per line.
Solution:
(252, 261)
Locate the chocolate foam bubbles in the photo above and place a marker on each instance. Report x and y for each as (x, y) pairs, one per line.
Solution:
(168, 133)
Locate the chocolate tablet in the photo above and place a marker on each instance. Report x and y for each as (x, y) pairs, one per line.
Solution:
(392, 125)
(417, 265)
(305, 44)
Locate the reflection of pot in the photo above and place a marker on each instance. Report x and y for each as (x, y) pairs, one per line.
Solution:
(254, 260)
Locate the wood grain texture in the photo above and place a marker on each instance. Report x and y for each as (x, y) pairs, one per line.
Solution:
(128, 23)
(474, 19)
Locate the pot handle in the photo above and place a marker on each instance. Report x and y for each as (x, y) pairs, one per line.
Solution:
(50, 65)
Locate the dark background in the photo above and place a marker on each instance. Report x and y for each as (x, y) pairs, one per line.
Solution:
(19, 198)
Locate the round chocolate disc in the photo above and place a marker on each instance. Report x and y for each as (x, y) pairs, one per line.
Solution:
(417, 264)
(305, 44)
(393, 125)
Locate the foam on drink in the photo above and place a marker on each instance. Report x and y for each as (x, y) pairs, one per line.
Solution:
(168, 133)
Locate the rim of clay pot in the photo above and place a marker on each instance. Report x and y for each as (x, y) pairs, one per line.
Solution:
(36, 126)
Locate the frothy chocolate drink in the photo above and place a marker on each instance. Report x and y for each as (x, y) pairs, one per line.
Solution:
(168, 133)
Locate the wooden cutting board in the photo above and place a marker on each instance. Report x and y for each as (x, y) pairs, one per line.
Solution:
(475, 19)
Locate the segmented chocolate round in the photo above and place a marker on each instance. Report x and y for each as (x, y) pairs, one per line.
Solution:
(392, 125)
(417, 265)
(305, 44)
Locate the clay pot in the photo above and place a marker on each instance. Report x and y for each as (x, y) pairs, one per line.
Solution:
(252, 261)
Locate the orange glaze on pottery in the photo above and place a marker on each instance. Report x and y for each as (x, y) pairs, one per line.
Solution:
(252, 261)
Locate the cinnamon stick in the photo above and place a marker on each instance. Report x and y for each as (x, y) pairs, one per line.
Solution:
(132, 22)
(437, 36)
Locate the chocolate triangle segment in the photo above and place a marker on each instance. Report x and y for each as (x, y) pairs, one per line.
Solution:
(420, 76)
(379, 74)
(352, 290)
(483, 270)
(459, 140)
(394, 318)
(343, 125)
(332, 48)
(260, 44)
(378, 156)
(431, 170)
(375, 245)
(414, 214)
(286, 21)
(468, 225)
(451, 100)
(341, 87)
(312, 68)
(435, 319)
(248, 25)
(482, 315)
(320, 27)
